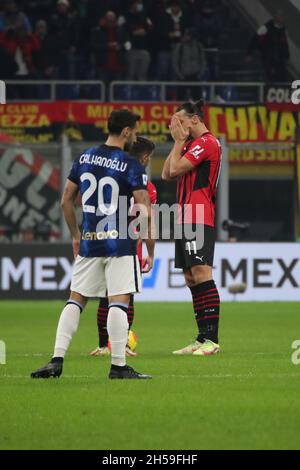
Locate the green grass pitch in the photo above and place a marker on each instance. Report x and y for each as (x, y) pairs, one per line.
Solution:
(247, 397)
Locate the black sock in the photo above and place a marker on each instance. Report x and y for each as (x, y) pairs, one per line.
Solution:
(114, 367)
(57, 360)
(212, 311)
(102, 322)
(206, 303)
(130, 312)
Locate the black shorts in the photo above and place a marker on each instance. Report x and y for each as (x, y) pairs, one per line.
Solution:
(188, 254)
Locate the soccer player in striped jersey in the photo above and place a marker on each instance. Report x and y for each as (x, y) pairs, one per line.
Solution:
(143, 150)
(105, 250)
(195, 162)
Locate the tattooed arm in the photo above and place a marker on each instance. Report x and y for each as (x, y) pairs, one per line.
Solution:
(68, 207)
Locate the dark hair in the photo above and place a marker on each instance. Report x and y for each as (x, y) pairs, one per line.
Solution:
(141, 147)
(121, 118)
(193, 108)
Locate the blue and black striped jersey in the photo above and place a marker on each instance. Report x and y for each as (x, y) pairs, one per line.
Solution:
(107, 177)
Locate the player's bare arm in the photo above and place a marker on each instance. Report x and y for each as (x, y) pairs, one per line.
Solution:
(165, 174)
(141, 197)
(68, 208)
(178, 165)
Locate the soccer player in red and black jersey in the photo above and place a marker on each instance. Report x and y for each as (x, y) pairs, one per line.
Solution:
(195, 161)
(143, 150)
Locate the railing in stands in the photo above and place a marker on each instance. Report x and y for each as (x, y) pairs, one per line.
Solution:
(52, 90)
(212, 92)
(137, 91)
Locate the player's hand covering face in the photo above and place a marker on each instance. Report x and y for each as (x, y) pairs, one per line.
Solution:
(177, 131)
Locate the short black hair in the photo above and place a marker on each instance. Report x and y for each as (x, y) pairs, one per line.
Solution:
(141, 147)
(121, 118)
(193, 108)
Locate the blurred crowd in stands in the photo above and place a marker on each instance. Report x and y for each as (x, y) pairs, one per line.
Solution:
(271, 41)
(165, 40)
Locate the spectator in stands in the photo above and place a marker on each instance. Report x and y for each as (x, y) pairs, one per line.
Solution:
(38, 9)
(65, 25)
(168, 32)
(46, 58)
(109, 41)
(208, 27)
(82, 8)
(8, 64)
(147, 6)
(189, 58)
(192, 8)
(21, 45)
(96, 9)
(12, 18)
(156, 9)
(139, 27)
(271, 40)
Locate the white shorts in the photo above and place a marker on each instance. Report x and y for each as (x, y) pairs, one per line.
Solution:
(102, 277)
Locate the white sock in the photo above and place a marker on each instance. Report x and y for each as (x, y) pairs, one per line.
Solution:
(117, 327)
(67, 327)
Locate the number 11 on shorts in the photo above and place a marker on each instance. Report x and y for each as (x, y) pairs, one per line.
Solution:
(191, 247)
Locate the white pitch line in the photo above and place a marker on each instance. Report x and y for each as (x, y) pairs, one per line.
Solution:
(28, 377)
(42, 355)
(226, 376)
(206, 376)
(227, 354)
(29, 355)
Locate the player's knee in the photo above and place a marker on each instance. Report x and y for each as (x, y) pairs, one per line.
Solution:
(123, 299)
(189, 279)
(78, 298)
(200, 274)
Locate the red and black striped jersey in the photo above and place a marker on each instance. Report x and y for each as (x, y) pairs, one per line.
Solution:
(199, 186)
